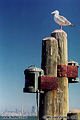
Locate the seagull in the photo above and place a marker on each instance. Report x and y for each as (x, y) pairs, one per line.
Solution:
(62, 21)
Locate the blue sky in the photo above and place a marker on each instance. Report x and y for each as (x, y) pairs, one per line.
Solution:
(23, 25)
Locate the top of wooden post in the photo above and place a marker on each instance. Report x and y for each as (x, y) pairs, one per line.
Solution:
(58, 31)
(49, 38)
(74, 111)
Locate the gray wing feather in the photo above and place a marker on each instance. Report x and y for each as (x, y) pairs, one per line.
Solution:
(63, 19)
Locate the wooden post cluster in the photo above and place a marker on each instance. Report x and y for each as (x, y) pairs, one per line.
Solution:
(54, 52)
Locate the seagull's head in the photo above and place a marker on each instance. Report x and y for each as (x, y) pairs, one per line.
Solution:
(55, 12)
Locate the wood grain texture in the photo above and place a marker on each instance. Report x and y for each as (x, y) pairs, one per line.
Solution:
(49, 65)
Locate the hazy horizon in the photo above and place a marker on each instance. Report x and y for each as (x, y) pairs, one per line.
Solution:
(23, 25)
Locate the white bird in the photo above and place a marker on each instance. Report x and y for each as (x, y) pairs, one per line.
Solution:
(62, 21)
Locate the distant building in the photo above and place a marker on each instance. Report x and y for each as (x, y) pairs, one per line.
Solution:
(33, 112)
(22, 110)
(17, 110)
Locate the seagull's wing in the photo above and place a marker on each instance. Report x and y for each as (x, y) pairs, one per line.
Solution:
(64, 20)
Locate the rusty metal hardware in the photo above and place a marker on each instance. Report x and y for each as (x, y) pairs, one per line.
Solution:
(48, 82)
(67, 71)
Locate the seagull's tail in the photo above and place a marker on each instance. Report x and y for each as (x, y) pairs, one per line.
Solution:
(72, 25)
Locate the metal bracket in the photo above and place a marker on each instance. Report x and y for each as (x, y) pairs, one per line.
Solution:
(71, 72)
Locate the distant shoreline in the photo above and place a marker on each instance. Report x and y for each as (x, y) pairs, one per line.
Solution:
(16, 117)
(13, 117)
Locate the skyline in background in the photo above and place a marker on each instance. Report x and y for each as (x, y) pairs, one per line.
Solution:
(23, 25)
(19, 112)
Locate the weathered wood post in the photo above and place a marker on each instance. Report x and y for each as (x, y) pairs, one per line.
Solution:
(49, 65)
(62, 96)
(74, 115)
(54, 52)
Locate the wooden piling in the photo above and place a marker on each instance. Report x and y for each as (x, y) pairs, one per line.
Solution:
(62, 93)
(73, 115)
(49, 65)
(54, 52)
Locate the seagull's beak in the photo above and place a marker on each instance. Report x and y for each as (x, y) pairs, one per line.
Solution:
(52, 12)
